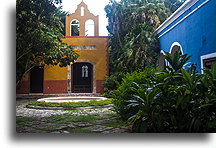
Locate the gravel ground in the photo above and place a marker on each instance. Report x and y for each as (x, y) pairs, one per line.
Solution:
(43, 125)
(21, 110)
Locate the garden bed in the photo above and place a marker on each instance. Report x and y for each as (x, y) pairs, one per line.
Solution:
(92, 104)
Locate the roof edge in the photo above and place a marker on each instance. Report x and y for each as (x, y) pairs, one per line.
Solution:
(184, 7)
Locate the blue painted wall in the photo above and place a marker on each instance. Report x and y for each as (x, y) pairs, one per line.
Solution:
(196, 34)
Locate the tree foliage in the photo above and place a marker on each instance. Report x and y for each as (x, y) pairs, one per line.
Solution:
(173, 5)
(133, 43)
(39, 30)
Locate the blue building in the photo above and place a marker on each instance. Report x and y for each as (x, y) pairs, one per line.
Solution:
(191, 29)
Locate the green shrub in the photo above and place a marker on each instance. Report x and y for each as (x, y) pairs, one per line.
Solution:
(125, 91)
(181, 102)
(112, 82)
(173, 100)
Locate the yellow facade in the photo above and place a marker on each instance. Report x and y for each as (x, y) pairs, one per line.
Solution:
(55, 73)
(92, 50)
(98, 56)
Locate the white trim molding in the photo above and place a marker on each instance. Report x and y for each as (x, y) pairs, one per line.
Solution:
(162, 52)
(204, 57)
(184, 7)
(173, 17)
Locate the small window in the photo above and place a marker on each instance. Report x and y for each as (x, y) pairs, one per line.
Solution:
(75, 28)
(82, 11)
(84, 71)
(207, 63)
(89, 28)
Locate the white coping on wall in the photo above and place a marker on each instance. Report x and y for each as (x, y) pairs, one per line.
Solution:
(187, 5)
(207, 56)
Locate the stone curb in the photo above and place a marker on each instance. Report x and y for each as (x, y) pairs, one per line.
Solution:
(62, 108)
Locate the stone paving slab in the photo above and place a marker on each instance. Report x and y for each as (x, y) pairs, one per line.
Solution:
(82, 124)
(98, 128)
(43, 126)
(118, 130)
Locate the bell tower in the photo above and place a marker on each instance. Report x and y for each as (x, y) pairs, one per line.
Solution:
(82, 22)
(88, 72)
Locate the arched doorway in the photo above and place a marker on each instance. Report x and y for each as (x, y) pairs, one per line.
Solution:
(176, 47)
(81, 77)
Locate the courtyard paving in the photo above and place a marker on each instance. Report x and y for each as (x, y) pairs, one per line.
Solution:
(103, 120)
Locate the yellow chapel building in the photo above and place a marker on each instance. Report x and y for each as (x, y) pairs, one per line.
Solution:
(87, 73)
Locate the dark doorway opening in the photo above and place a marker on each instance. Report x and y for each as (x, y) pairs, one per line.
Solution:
(81, 78)
(36, 79)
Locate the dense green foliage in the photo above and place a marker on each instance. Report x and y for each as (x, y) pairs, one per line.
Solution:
(124, 91)
(72, 105)
(172, 5)
(39, 30)
(112, 82)
(133, 43)
(172, 100)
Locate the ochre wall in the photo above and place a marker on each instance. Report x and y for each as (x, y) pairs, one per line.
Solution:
(55, 79)
(99, 56)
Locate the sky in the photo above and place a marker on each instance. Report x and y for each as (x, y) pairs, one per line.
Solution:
(95, 6)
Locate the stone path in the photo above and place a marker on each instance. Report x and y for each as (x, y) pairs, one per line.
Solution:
(21, 110)
(43, 124)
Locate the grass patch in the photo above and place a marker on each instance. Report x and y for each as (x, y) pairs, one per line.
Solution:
(67, 118)
(72, 104)
(114, 123)
(110, 120)
(24, 119)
